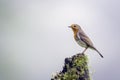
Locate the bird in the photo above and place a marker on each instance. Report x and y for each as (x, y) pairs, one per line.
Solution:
(82, 39)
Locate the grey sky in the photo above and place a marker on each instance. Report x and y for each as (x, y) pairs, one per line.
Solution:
(35, 39)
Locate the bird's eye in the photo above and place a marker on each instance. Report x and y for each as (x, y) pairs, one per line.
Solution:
(74, 26)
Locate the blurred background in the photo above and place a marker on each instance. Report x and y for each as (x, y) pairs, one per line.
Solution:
(35, 38)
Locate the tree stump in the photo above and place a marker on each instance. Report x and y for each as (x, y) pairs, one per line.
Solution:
(75, 68)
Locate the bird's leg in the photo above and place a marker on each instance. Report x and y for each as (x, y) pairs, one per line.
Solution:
(84, 50)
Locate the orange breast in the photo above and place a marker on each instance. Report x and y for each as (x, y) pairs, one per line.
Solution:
(75, 32)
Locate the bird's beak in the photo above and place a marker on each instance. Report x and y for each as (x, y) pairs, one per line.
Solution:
(69, 26)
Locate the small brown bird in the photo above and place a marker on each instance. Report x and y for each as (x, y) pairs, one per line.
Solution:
(82, 39)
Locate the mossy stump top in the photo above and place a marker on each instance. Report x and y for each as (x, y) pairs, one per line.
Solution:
(75, 68)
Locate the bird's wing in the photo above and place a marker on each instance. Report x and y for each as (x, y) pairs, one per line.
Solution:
(85, 39)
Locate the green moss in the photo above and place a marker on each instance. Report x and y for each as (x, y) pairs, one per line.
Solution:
(75, 69)
(80, 61)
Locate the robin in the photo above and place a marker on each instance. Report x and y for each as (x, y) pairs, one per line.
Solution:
(82, 39)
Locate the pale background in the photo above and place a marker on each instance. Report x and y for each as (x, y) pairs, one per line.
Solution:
(35, 38)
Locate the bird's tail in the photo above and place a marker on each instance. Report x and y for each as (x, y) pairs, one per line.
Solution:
(98, 52)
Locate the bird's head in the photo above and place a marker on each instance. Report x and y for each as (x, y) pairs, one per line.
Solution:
(75, 27)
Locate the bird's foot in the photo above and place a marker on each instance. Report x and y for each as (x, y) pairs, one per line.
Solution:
(80, 54)
(83, 53)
